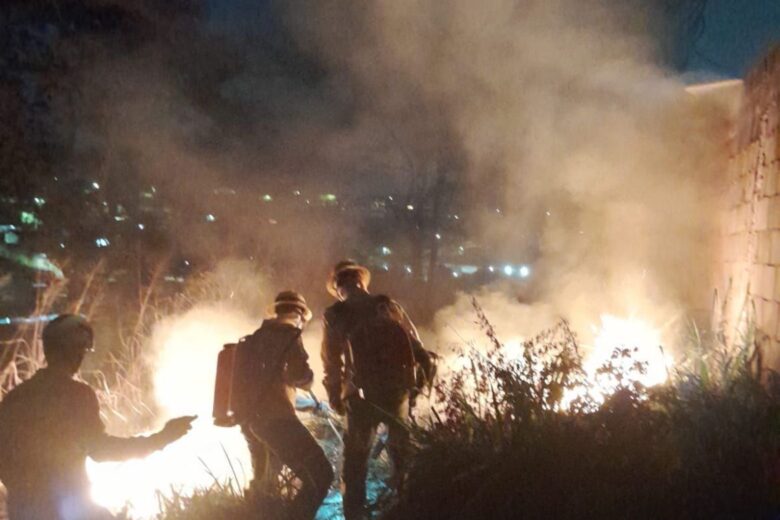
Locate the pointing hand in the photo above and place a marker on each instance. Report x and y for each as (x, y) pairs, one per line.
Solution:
(177, 428)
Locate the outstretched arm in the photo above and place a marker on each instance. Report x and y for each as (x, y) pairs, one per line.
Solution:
(104, 447)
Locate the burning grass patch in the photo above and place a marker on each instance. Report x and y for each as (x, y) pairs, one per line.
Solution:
(529, 437)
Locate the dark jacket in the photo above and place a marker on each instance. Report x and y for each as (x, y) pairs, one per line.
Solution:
(339, 320)
(48, 426)
(278, 342)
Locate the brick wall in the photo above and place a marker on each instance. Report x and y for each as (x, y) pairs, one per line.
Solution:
(750, 262)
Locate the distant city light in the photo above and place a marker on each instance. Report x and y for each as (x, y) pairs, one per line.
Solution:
(62, 245)
(410, 207)
(267, 198)
(96, 185)
(120, 218)
(30, 219)
(328, 197)
(456, 217)
(11, 238)
(408, 269)
(547, 213)
(297, 193)
(491, 269)
(461, 250)
(273, 221)
(187, 262)
(385, 250)
(469, 269)
(141, 227)
(390, 197)
(438, 236)
(524, 271)
(498, 210)
(509, 270)
(102, 242)
(386, 266)
(210, 218)
(455, 274)
(39, 201)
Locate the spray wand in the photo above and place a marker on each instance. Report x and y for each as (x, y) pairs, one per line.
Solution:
(320, 408)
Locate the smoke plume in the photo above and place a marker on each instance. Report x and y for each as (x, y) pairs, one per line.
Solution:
(570, 146)
(602, 167)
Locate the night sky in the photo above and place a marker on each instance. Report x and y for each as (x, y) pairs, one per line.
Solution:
(737, 33)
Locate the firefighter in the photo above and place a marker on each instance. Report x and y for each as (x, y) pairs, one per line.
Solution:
(363, 381)
(271, 364)
(50, 423)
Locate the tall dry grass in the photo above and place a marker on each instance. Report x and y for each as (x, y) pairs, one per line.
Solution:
(501, 445)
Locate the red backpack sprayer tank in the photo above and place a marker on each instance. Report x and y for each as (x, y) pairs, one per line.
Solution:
(224, 412)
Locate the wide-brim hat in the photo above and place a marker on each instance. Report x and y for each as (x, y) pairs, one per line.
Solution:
(343, 267)
(294, 299)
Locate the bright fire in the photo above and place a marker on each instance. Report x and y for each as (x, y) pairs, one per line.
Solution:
(612, 332)
(616, 332)
(623, 333)
(187, 348)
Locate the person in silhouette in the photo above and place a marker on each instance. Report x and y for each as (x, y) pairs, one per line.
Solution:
(51, 423)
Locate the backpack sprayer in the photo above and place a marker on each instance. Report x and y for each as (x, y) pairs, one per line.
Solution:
(223, 411)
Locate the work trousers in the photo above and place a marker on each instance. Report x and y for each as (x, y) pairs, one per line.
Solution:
(277, 442)
(363, 417)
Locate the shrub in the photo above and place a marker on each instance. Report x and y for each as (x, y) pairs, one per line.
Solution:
(526, 438)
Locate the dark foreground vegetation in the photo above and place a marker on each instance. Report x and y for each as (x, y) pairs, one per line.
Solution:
(703, 446)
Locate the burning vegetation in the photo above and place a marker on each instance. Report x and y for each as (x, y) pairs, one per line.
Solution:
(506, 439)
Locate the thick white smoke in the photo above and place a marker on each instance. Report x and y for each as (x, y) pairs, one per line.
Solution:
(595, 154)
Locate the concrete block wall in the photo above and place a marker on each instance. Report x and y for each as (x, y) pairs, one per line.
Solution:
(750, 245)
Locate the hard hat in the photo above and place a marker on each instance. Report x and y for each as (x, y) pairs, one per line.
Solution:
(343, 267)
(294, 299)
